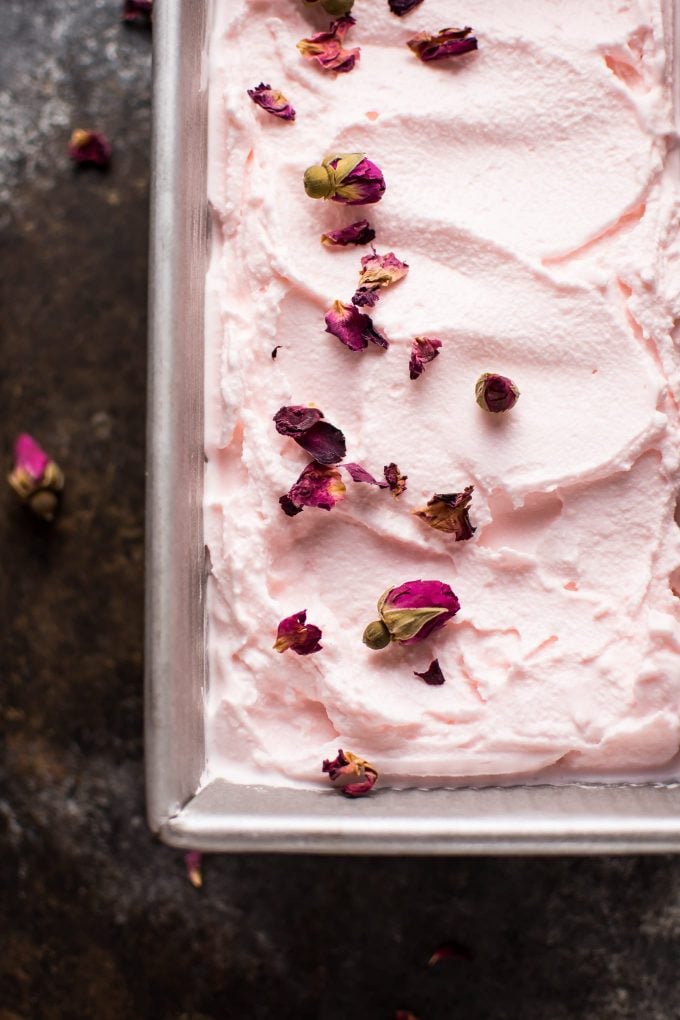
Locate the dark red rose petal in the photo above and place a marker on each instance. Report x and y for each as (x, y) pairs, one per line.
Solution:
(432, 675)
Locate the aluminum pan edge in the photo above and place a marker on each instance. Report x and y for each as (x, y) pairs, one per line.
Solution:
(222, 816)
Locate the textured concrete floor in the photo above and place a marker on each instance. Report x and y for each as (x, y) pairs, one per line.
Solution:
(96, 919)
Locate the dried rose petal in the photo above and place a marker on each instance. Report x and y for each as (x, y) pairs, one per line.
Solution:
(451, 951)
(294, 632)
(319, 485)
(395, 479)
(404, 1014)
(348, 178)
(137, 9)
(89, 147)
(450, 42)
(360, 232)
(424, 350)
(359, 474)
(402, 7)
(378, 272)
(193, 860)
(276, 351)
(353, 328)
(411, 612)
(353, 775)
(449, 511)
(496, 392)
(327, 49)
(36, 478)
(272, 101)
(322, 441)
(336, 8)
(433, 674)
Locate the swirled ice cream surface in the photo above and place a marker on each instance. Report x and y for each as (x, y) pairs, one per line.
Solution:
(531, 188)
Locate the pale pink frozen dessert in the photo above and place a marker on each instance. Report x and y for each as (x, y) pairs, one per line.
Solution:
(531, 189)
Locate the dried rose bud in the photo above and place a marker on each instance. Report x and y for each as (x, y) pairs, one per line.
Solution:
(496, 392)
(402, 7)
(36, 479)
(357, 233)
(348, 178)
(327, 49)
(353, 775)
(450, 42)
(433, 674)
(353, 328)
(321, 440)
(424, 350)
(395, 479)
(449, 511)
(294, 632)
(134, 10)
(359, 474)
(378, 272)
(272, 101)
(411, 612)
(89, 147)
(193, 860)
(319, 485)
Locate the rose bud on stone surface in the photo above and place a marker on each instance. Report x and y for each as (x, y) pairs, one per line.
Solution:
(353, 775)
(89, 147)
(411, 612)
(496, 393)
(378, 272)
(395, 479)
(294, 632)
(449, 511)
(319, 485)
(136, 10)
(360, 232)
(36, 478)
(272, 101)
(450, 42)
(349, 178)
(353, 328)
(433, 674)
(424, 350)
(327, 49)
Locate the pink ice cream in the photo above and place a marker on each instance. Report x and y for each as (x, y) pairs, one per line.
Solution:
(532, 192)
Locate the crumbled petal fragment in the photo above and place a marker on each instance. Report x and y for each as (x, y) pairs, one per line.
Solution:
(378, 272)
(451, 951)
(36, 478)
(424, 350)
(349, 178)
(296, 419)
(89, 147)
(395, 479)
(450, 512)
(324, 442)
(402, 7)
(411, 612)
(193, 861)
(294, 632)
(450, 42)
(272, 101)
(432, 675)
(496, 393)
(276, 351)
(359, 474)
(353, 328)
(327, 49)
(335, 8)
(353, 775)
(360, 232)
(319, 485)
(135, 10)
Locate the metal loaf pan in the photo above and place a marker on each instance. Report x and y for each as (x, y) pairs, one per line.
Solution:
(221, 816)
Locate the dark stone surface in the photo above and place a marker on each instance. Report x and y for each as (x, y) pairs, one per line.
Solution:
(99, 921)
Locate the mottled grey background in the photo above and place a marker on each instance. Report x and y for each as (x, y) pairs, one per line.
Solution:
(96, 919)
